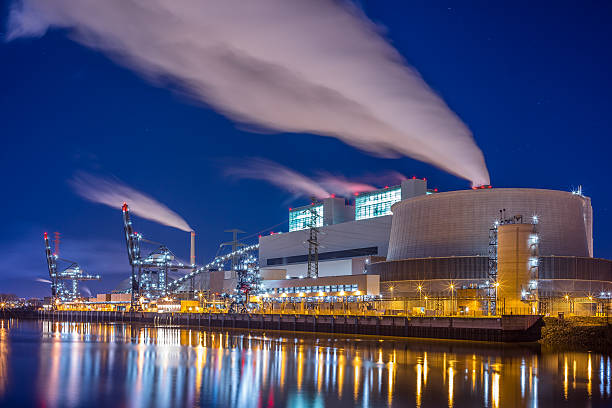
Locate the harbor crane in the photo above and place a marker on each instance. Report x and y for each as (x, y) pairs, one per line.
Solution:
(149, 273)
(73, 273)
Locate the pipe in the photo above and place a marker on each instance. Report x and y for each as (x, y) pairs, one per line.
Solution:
(193, 260)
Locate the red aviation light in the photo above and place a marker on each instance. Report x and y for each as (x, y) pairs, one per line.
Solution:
(435, 190)
(289, 208)
(386, 186)
(414, 177)
(45, 235)
(356, 194)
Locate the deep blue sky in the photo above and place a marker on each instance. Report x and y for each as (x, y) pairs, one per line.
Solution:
(531, 81)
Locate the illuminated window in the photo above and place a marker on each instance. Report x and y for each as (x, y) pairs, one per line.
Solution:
(377, 203)
(303, 218)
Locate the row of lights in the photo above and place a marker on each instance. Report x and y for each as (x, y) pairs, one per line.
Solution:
(321, 294)
(218, 260)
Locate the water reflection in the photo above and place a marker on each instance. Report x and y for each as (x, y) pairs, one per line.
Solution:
(73, 364)
(4, 352)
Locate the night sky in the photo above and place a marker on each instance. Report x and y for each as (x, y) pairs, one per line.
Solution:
(532, 82)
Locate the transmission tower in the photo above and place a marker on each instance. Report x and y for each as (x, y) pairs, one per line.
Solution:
(235, 245)
(313, 243)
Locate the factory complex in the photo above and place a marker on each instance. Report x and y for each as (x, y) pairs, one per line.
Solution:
(476, 252)
(400, 250)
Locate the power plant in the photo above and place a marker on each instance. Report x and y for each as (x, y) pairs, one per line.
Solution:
(404, 249)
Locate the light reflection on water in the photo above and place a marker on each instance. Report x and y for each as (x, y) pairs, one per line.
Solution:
(76, 364)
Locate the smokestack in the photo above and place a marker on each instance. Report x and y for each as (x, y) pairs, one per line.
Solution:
(193, 261)
(56, 241)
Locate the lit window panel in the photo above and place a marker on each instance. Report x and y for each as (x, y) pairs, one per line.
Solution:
(300, 219)
(377, 203)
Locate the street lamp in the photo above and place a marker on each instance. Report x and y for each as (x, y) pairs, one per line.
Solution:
(496, 285)
(452, 288)
(420, 289)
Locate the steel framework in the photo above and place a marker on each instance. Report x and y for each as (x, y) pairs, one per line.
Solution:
(313, 243)
(72, 273)
(149, 276)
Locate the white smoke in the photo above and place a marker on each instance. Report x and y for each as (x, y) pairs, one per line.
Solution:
(301, 185)
(42, 280)
(317, 66)
(114, 193)
(343, 186)
(280, 176)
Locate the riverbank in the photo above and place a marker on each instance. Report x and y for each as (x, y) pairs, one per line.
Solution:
(577, 334)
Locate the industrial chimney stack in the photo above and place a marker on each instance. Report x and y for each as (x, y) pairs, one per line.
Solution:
(192, 258)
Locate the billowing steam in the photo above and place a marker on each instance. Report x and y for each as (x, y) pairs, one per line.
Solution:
(299, 184)
(42, 280)
(86, 290)
(280, 176)
(317, 66)
(114, 194)
(341, 185)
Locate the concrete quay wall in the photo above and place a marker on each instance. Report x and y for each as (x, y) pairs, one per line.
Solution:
(510, 328)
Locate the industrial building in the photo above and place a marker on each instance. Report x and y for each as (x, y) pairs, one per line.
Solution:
(352, 235)
(481, 251)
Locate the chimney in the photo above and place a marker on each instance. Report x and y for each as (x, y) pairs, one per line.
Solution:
(192, 258)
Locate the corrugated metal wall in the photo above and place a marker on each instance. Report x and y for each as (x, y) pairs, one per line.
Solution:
(476, 267)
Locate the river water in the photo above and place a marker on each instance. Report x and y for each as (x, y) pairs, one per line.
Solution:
(113, 365)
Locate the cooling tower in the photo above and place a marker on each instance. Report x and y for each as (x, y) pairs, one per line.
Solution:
(457, 223)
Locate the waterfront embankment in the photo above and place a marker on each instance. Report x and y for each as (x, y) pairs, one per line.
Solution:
(508, 328)
(577, 334)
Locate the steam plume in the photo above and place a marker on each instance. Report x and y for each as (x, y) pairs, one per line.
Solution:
(316, 66)
(280, 176)
(341, 185)
(301, 185)
(114, 194)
